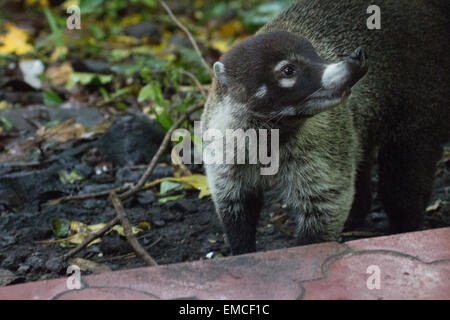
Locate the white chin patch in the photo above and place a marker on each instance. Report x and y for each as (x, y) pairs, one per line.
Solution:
(334, 74)
(287, 83)
(262, 91)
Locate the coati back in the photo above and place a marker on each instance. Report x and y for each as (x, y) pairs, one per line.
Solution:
(289, 77)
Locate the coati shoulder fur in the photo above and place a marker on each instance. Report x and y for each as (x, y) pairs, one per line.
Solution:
(295, 75)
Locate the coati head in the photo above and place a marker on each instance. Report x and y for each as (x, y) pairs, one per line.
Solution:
(279, 75)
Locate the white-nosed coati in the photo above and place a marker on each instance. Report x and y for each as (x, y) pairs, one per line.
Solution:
(295, 75)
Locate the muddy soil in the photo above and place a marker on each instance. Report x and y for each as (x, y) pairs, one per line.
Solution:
(185, 229)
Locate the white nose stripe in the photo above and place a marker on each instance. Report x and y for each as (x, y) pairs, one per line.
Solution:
(287, 83)
(334, 74)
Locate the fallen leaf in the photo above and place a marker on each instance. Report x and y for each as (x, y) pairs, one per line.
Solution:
(434, 206)
(14, 41)
(63, 132)
(59, 74)
(87, 265)
(197, 181)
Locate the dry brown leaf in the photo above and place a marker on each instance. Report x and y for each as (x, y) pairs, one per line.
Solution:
(59, 74)
(63, 132)
(87, 265)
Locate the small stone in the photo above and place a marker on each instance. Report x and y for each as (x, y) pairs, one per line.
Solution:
(146, 198)
(55, 264)
(23, 268)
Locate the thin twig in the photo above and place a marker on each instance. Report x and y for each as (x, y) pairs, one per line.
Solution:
(196, 81)
(140, 252)
(87, 195)
(129, 255)
(91, 237)
(191, 38)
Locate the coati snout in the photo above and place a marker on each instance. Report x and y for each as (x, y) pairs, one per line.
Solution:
(279, 74)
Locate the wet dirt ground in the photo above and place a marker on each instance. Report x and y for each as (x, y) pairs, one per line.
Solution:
(185, 229)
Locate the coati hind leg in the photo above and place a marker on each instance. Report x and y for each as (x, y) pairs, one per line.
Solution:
(363, 196)
(405, 180)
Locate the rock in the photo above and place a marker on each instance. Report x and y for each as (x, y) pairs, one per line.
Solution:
(88, 117)
(93, 204)
(183, 205)
(131, 140)
(102, 178)
(7, 277)
(27, 189)
(127, 175)
(144, 29)
(23, 268)
(35, 262)
(158, 222)
(146, 198)
(84, 170)
(92, 66)
(55, 264)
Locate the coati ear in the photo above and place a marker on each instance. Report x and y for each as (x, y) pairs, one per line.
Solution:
(219, 72)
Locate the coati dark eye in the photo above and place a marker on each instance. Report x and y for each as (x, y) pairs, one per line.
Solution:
(289, 71)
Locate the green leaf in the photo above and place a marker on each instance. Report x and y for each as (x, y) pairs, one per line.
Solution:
(51, 124)
(164, 120)
(117, 55)
(60, 227)
(167, 186)
(51, 99)
(87, 78)
(56, 31)
(96, 31)
(152, 91)
(71, 177)
(6, 124)
(169, 198)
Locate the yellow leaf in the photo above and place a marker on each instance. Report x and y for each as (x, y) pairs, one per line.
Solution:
(144, 225)
(43, 3)
(221, 45)
(197, 181)
(119, 230)
(5, 105)
(59, 52)
(14, 41)
(230, 29)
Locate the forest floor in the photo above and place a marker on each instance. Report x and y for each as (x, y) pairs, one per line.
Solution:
(185, 228)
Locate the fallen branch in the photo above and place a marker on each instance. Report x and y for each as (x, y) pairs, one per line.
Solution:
(129, 255)
(191, 38)
(87, 195)
(137, 248)
(91, 237)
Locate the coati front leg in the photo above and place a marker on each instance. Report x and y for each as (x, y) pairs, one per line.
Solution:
(238, 200)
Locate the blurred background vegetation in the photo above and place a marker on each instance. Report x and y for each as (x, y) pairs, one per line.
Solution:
(129, 56)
